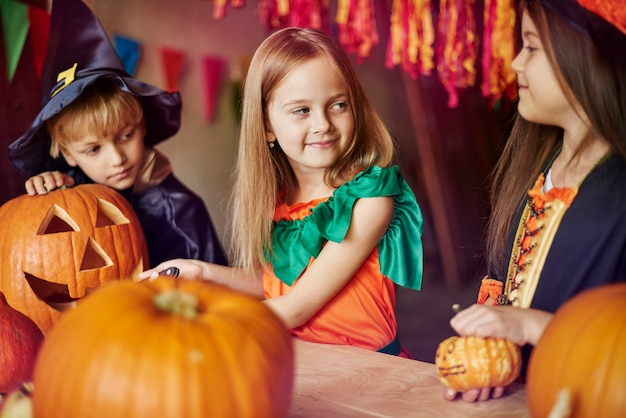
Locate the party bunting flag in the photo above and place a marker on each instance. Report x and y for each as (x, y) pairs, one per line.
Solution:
(212, 69)
(39, 28)
(15, 26)
(128, 51)
(173, 62)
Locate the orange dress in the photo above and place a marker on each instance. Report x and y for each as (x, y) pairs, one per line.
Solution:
(362, 314)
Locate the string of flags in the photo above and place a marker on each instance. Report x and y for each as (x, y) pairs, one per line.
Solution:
(421, 42)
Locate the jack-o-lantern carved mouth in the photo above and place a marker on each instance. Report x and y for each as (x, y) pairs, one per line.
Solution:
(452, 370)
(55, 295)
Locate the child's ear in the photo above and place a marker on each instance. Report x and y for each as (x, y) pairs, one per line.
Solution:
(68, 158)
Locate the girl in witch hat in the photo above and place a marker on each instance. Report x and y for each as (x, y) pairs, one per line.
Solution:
(558, 223)
(99, 125)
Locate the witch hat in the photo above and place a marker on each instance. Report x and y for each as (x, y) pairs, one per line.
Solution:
(80, 52)
(602, 21)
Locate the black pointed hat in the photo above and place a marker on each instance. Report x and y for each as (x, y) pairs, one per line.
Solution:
(80, 52)
(602, 21)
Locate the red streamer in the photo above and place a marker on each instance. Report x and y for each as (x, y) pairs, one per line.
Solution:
(456, 47)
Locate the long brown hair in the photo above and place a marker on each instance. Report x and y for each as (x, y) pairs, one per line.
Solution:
(588, 78)
(262, 173)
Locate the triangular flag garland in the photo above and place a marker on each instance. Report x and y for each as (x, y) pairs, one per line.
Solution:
(39, 28)
(212, 69)
(173, 63)
(15, 25)
(416, 43)
(128, 50)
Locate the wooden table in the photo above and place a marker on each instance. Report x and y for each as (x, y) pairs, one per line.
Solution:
(344, 382)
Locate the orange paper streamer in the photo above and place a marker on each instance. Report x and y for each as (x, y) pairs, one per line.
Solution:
(276, 14)
(456, 47)
(356, 23)
(219, 7)
(498, 49)
(411, 37)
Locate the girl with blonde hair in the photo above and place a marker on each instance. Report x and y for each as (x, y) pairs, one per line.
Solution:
(323, 227)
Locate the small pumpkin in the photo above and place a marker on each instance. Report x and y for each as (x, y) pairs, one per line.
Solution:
(20, 339)
(469, 362)
(58, 246)
(579, 363)
(166, 348)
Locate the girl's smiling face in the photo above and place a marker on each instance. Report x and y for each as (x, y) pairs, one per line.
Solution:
(310, 116)
(541, 98)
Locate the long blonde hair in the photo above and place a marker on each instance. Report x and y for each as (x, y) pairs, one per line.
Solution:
(261, 174)
(587, 78)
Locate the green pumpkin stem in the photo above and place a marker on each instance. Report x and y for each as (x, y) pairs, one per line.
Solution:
(179, 303)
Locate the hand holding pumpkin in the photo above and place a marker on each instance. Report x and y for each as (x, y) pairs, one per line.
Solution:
(475, 365)
(46, 182)
(508, 325)
(520, 326)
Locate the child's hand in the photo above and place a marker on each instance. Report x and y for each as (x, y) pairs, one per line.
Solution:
(474, 395)
(46, 182)
(187, 269)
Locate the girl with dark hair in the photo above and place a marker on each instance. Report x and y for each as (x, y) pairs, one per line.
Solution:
(558, 223)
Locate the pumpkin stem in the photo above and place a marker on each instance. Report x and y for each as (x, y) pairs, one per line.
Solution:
(179, 303)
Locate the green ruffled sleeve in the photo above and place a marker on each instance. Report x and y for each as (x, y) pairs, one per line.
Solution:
(400, 249)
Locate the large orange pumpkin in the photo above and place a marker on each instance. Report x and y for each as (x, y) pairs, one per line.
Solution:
(469, 362)
(165, 348)
(58, 246)
(579, 363)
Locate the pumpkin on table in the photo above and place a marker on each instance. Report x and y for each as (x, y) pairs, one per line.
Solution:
(469, 362)
(167, 348)
(58, 246)
(578, 367)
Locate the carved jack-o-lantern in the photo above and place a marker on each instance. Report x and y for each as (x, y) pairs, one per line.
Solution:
(54, 248)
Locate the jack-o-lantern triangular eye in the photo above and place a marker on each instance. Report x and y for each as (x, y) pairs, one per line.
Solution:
(109, 214)
(94, 257)
(57, 220)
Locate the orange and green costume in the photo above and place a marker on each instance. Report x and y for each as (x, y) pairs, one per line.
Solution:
(362, 314)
